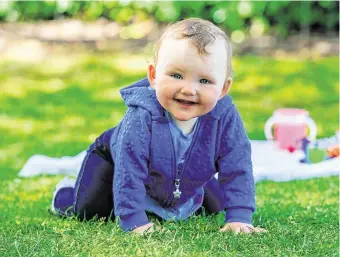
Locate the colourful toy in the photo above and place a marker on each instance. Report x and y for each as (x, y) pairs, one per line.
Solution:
(333, 151)
(320, 150)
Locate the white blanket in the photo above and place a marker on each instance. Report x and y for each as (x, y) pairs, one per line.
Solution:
(269, 163)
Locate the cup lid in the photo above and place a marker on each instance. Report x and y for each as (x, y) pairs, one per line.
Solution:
(291, 112)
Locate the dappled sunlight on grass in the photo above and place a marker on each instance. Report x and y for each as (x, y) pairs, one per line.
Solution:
(252, 83)
(19, 86)
(297, 92)
(21, 194)
(29, 126)
(116, 116)
(307, 199)
(61, 137)
(73, 121)
(59, 106)
(62, 64)
(305, 193)
(53, 85)
(127, 65)
(265, 66)
(108, 94)
(20, 186)
(11, 151)
(23, 126)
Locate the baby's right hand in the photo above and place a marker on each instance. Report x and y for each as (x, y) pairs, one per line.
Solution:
(145, 228)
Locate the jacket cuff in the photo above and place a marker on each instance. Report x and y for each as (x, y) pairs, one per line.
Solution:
(132, 221)
(239, 215)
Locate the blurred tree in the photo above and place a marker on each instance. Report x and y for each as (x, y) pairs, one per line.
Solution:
(277, 17)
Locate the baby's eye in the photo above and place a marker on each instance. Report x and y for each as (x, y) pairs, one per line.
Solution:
(204, 81)
(176, 76)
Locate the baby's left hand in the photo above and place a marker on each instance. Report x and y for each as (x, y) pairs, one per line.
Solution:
(240, 227)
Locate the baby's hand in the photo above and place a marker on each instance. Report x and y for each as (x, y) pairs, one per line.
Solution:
(147, 228)
(240, 227)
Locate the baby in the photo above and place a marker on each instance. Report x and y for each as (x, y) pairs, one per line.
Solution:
(180, 129)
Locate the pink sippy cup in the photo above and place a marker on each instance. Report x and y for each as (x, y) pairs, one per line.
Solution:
(290, 126)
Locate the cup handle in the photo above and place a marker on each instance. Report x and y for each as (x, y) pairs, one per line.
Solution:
(312, 129)
(268, 128)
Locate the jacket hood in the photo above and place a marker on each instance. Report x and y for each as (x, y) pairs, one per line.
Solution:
(140, 94)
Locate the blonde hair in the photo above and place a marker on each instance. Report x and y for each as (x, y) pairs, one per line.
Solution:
(201, 33)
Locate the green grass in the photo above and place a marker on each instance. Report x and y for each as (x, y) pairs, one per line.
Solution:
(47, 108)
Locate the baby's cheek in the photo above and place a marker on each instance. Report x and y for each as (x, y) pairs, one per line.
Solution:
(211, 100)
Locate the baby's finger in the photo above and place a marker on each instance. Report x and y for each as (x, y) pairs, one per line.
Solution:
(225, 228)
(150, 229)
(237, 230)
(260, 230)
(144, 229)
(137, 232)
(246, 230)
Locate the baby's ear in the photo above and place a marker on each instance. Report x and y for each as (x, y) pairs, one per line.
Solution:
(226, 87)
(152, 75)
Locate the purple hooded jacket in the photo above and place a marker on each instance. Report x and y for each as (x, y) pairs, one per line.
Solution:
(145, 165)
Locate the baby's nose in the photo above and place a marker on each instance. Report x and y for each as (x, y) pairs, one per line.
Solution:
(189, 89)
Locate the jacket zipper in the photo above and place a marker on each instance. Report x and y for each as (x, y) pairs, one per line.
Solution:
(174, 165)
(177, 194)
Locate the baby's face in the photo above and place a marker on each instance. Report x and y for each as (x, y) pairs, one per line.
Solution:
(187, 84)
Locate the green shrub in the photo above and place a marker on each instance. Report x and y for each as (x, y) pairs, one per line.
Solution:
(277, 17)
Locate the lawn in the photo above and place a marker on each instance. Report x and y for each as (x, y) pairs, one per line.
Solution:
(58, 106)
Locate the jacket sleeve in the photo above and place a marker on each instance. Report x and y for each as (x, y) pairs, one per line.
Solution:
(130, 152)
(235, 172)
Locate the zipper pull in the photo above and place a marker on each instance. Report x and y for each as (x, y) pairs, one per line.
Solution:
(177, 193)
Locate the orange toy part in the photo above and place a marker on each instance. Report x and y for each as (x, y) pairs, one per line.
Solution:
(333, 151)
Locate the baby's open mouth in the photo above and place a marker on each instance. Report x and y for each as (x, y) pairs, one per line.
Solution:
(185, 102)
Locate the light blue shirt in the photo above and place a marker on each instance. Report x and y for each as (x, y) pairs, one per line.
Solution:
(180, 140)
